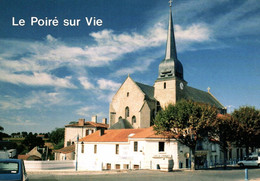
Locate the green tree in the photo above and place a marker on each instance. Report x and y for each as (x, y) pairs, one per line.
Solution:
(24, 133)
(186, 121)
(31, 141)
(73, 122)
(57, 137)
(1, 134)
(248, 132)
(223, 132)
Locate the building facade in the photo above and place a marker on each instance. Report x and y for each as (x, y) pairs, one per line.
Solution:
(141, 148)
(81, 129)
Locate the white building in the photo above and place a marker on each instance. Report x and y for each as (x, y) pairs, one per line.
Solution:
(82, 128)
(136, 149)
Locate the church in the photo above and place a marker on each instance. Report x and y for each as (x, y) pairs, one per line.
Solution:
(135, 104)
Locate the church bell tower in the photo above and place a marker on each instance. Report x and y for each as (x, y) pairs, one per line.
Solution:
(170, 85)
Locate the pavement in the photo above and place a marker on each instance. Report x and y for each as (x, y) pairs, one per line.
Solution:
(74, 172)
(149, 175)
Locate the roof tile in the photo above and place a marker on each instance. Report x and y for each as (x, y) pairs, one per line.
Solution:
(121, 135)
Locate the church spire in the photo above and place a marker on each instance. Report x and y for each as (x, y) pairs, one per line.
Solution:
(170, 66)
(170, 46)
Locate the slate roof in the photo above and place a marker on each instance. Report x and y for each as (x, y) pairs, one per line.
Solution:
(89, 124)
(147, 90)
(191, 93)
(122, 124)
(67, 149)
(197, 95)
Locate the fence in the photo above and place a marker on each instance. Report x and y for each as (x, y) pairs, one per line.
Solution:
(50, 165)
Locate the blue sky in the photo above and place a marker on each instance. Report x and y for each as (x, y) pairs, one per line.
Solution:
(51, 75)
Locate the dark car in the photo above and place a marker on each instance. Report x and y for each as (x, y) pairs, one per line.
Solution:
(12, 170)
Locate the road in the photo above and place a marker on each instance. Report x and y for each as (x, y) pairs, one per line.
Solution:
(148, 175)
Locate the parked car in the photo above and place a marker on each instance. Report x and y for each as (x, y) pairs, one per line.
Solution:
(12, 169)
(253, 160)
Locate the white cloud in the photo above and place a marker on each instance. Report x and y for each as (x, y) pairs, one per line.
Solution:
(106, 97)
(141, 65)
(106, 84)
(29, 63)
(36, 99)
(17, 121)
(85, 83)
(194, 33)
(240, 20)
(86, 111)
(36, 79)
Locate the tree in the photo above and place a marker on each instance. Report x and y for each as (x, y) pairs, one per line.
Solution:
(2, 134)
(57, 137)
(223, 132)
(248, 132)
(24, 133)
(31, 141)
(186, 121)
(73, 122)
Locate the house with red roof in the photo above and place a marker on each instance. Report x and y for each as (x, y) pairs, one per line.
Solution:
(81, 129)
(66, 153)
(138, 148)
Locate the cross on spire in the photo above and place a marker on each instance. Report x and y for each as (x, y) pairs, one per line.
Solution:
(170, 2)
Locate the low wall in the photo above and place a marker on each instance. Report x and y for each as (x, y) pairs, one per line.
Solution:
(50, 165)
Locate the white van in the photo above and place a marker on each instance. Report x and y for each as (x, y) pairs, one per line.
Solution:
(252, 160)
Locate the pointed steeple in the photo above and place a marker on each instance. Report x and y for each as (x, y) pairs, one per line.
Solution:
(170, 46)
(170, 66)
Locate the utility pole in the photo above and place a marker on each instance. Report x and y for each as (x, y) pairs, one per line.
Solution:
(77, 153)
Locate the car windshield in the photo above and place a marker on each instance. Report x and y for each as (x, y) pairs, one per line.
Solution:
(8, 167)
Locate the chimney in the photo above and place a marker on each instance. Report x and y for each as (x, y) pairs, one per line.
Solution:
(94, 119)
(81, 122)
(102, 132)
(104, 120)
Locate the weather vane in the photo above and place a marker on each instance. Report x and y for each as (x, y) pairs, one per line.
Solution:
(170, 2)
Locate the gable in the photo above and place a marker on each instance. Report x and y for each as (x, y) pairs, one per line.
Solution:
(127, 85)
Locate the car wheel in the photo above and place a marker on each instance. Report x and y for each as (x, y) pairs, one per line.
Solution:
(259, 165)
(241, 165)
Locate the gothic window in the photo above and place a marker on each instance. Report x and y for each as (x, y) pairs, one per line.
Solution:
(164, 85)
(133, 119)
(126, 112)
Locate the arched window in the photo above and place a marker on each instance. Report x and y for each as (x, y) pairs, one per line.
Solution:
(164, 85)
(126, 112)
(119, 118)
(133, 119)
